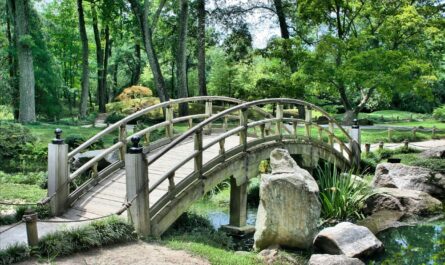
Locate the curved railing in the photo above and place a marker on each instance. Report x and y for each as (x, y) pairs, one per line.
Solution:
(267, 133)
(123, 138)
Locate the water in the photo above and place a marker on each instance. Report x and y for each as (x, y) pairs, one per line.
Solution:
(419, 244)
(220, 218)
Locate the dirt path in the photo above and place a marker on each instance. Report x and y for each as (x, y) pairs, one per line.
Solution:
(139, 253)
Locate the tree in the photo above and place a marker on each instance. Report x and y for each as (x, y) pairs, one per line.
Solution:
(369, 48)
(181, 56)
(85, 65)
(20, 12)
(201, 47)
(142, 14)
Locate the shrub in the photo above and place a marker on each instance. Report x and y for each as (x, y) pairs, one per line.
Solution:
(98, 233)
(114, 117)
(342, 197)
(14, 253)
(74, 141)
(14, 140)
(439, 113)
(253, 192)
(134, 92)
(434, 164)
(31, 178)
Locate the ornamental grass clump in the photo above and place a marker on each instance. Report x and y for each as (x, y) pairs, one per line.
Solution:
(342, 195)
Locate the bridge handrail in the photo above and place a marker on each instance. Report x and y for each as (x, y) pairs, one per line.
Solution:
(147, 110)
(246, 105)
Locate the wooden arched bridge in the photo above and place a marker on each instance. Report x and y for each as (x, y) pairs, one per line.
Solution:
(155, 182)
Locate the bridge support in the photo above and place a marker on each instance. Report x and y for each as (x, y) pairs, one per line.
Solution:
(137, 188)
(238, 210)
(58, 174)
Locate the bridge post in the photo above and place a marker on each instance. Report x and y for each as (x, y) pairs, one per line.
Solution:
(58, 174)
(169, 118)
(238, 210)
(355, 145)
(209, 113)
(198, 148)
(279, 115)
(136, 170)
(308, 120)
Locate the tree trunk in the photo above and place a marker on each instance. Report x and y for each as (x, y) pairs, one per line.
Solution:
(281, 19)
(108, 43)
(27, 108)
(142, 17)
(12, 60)
(136, 75)
(85, 67)
(181, 57)
(202, 48)
(350, 115)
(100, 62)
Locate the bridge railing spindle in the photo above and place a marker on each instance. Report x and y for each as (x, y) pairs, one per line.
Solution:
(243, 120)
(331, 135)
(208, 113)
(171, 184)
(198, 156)
(295, 127)
(308, 120)
(279, 115)
(169, 118)
(123, 139)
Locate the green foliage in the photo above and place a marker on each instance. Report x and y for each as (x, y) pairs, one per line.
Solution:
(98, 233)
(74, 140)
(14, 253)
(435, 164)
(253, 192)
(342, 196)
(439, 113)
(31, 178)
(114, 117)
(6, 113)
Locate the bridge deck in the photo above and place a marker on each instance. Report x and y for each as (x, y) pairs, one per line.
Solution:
(107, 197)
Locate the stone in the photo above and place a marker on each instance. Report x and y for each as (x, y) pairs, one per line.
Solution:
(289, 207)
(382, 220)
(269, 255)
(412, 202)
(81, 158)
(401, 176)
(436, 152)
(348, 239)
(326, 259)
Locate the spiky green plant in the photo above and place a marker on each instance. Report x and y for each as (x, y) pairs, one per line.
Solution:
(341, 195)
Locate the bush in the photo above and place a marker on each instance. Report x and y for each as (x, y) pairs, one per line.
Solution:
(15, 140)
(73, 141)
(439, 114)
(14, 253)
(341, 196)
(434, 164)
(134, 92)
(31, 178)
(114, 117)
(99, 233)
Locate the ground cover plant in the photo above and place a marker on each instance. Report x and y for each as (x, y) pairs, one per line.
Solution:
(108, 231)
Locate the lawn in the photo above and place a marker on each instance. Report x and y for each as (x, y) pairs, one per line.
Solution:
(393, 114)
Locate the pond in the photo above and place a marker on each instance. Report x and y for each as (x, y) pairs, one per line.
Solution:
(408, 245)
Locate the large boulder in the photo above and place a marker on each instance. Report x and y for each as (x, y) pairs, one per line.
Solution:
(401, 176)
(437, 152)
(382, 220)
(289, 207)
(348, 239)
(81, 158)
(412, 202)
(326, 259)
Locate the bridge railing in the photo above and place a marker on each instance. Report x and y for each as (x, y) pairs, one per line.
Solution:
(270, 129)
(124, 136)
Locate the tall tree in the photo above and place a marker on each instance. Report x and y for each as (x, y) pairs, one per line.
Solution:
(23, 40)
(142, 14)
(181, 56)
(99, 61)
(85, 65)
(12, 60)
(281, 19)
(202, 47)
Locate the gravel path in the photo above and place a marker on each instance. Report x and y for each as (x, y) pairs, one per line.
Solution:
(139, 253)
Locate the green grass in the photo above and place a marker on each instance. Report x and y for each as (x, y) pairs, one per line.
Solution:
(392, 115)
(24, 193)
(215, 255)
(428, 124)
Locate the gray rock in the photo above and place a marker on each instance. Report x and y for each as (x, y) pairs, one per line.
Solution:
(348, 239)
(81, 158)
(289, 207)
(326, 259)
(437, 152)
(412, 202)
(382, 220)
(401, 176)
